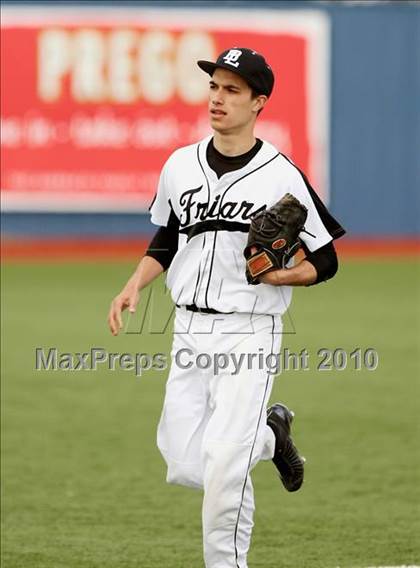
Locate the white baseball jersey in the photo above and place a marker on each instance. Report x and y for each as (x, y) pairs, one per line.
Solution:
(214, 216)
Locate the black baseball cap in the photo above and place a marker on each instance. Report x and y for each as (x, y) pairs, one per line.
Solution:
(248, 64)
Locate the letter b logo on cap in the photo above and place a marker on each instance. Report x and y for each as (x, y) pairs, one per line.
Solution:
(232, 57)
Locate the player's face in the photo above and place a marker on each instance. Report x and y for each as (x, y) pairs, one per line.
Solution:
(231, 106)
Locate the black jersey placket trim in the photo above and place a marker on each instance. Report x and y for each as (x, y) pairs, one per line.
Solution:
(210, 269)
(235, 536)
(196, 289)
(199, 272)
(220, 208)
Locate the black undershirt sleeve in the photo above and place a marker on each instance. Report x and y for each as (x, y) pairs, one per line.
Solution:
(324, 260)
(164, 245)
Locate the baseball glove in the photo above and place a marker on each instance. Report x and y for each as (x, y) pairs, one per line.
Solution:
(273, 237)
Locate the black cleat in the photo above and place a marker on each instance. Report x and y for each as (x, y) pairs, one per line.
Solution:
(286, 458)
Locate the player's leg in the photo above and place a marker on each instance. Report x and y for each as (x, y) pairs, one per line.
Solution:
(185, 412)
(236, 438)
(245, 524)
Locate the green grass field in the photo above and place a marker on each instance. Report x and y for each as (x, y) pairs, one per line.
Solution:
(84, 484)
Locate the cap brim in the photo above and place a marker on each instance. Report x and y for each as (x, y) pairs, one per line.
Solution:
(207, 66)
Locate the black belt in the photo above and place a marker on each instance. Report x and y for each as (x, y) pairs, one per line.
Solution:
(194, 308)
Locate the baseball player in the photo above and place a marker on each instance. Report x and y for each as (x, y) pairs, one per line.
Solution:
(214, 426)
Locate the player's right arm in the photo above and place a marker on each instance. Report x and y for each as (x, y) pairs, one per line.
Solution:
(157, 259)
(147, 271)
(158, 256)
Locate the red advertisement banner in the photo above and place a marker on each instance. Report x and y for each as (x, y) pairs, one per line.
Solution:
(92, 105)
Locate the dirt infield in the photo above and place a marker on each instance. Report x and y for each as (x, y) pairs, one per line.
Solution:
(130, 249)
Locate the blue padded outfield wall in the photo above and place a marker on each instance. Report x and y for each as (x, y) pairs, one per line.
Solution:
(374, 118)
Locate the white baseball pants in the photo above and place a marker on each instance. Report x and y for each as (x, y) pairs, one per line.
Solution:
(213, 429)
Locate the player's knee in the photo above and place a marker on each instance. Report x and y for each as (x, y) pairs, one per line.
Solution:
(226, 465)
(187, 475)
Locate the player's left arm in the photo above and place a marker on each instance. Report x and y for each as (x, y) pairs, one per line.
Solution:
(320, 262)
(317, 266)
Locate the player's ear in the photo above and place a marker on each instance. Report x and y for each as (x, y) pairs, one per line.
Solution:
(259, 103)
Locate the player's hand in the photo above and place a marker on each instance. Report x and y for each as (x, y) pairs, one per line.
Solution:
(127, 298)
